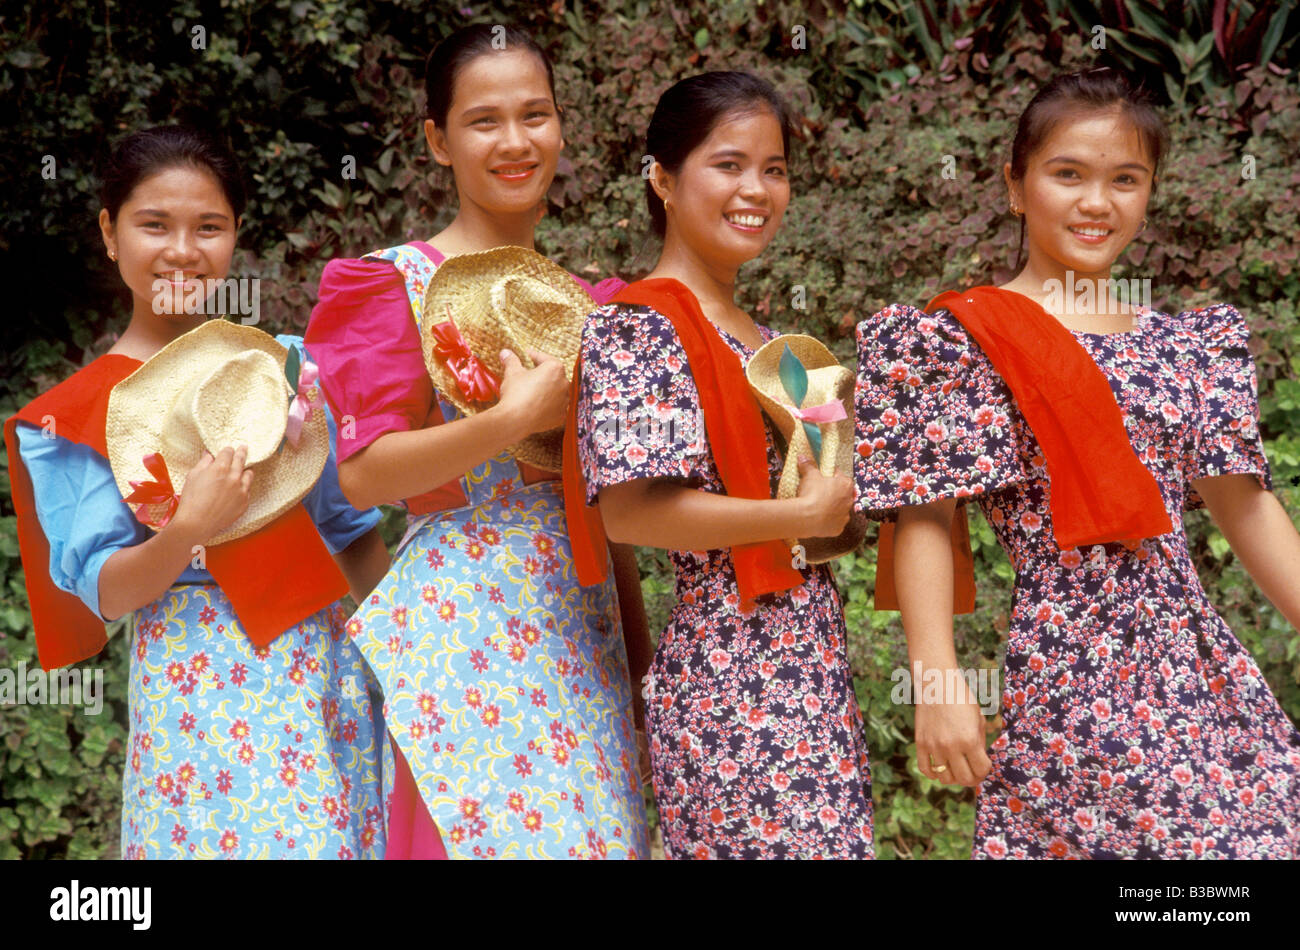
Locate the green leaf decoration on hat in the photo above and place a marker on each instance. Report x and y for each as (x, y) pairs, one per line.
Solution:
(794, 379)
(292, 368)
(793, 376)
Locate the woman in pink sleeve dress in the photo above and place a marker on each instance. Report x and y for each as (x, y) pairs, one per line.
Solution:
(506, 684)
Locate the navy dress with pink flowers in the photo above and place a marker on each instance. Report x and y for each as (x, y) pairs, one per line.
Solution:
(1135, 724)
(756, 738)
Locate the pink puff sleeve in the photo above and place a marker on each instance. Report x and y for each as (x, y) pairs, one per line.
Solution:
(365, 342)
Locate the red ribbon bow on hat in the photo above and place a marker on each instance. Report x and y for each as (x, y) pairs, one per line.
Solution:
(474, 380)
(149, 495)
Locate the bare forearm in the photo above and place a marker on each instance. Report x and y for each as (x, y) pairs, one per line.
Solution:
(663, 515)
(364, 563)
(402, 464)
(1261, 533)
(923, 578)
(140, 574)
(950, 732)
(636, 631)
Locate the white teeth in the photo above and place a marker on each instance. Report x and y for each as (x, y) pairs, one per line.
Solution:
(1092, 232)
(746, 220)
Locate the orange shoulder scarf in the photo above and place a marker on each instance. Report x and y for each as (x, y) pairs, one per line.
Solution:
(1100, 492)
(274, 577)
(733, 424)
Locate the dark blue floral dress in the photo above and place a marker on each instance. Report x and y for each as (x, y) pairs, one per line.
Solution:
(1135, 723)
(756, 737)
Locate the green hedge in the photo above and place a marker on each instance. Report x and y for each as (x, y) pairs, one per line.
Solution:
(886, 93)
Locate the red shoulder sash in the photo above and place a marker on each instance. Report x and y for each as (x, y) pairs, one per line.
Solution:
(737, 439)
(274, 577)
(1100, 491)
(66, 630)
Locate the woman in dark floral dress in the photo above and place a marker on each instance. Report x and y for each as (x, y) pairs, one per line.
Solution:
(1135, 723)
(756, 741)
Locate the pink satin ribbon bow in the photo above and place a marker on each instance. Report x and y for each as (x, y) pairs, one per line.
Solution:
(150, 494)
(474, 380)
(301, 407)
(832, 411)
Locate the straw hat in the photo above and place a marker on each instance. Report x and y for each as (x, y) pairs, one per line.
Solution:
(506, 298)
(796, 371)
(220, 384)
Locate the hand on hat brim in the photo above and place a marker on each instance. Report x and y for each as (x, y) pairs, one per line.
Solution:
(829, 500)
(538, 396)
(217, 492)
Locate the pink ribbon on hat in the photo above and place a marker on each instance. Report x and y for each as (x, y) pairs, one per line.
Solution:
(301, 408)
(832, 411)
(149, 494)
(473, 379)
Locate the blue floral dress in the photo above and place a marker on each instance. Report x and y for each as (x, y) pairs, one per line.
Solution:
(505, 682)
(234, 751)
(1135, 724)
(756, 738)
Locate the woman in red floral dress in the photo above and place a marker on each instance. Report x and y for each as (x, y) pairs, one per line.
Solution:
(1135, 723)
(756, 741)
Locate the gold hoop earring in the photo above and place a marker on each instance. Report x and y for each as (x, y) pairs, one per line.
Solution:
(1016, 211)
(1144, 226)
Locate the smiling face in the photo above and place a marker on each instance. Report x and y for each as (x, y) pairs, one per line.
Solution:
(176, 226)
(1084, 194)
(503, 138)
(726, 202)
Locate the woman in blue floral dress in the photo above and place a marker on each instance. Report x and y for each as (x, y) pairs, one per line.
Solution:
(1134, 722)
(756, 736)
(235, 750)
(506, 689)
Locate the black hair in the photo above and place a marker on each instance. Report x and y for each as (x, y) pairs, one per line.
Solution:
(1087, 90)
(687, 114)
(456, 51)
(147, 152)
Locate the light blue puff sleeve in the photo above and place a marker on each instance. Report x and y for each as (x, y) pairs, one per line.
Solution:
(81, 512)
(85, 520)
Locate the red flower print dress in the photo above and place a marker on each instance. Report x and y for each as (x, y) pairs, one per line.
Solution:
(756, 738)
(1135, 724)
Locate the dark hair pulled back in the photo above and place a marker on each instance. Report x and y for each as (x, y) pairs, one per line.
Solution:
(147, 152)
(687, 113)
(456, 52)
(1087, 90)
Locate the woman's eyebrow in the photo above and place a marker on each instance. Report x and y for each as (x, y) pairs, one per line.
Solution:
(1078, 161)
(740, 153)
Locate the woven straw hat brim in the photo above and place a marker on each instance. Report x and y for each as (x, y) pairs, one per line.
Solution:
(506, 298)
(138, 408)
(827, 380)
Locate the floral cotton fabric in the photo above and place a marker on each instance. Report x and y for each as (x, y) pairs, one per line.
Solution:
(756, 737)
(1135, 724)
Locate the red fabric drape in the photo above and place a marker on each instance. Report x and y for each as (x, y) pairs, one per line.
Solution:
(734, 426)
(1099, 490)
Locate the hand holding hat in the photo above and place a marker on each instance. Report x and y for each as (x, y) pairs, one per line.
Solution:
(507, 298)
(541, 393)
(217, 492)
(829, 498)
(218, 387)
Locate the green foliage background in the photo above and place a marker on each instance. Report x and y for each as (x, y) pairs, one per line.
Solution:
(885, 92)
